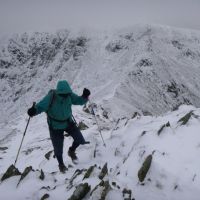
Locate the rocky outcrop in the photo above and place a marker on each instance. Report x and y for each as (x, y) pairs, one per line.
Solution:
(80, 191)
(103, 172)
(145, 168)
(11, 171)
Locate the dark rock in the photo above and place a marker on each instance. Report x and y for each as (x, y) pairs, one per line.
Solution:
(144, 63)
(127, 194)
(80, 191)
(88, 172)
(176, 107)
(114, 184)
(105, 187)
(76, 173)
(184, 120)
(162, 128)
(135, 115)
(48, 154)
(45, 196)
(42, 176)
(173, 88)
(45, 188)
(103, 172)
(193, 179)
(190, 53)
(3, 148)
(4, 64)
(81, 41)
(70, 166)
(143, 133)
(105, 114)
(146, 113)
(115, 46)
(25, 173)
(11, 171)
(145, 168)
(30, 150)
(177, 44)
(85, 109)
(175, 187)
(82, 126)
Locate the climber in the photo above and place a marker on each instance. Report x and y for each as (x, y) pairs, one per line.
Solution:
(57, 105)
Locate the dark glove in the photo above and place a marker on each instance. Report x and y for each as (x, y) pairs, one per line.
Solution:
(32, 111)
(86, 93)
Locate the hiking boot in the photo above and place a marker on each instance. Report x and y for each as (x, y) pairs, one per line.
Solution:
(62, 168)
(72, 154)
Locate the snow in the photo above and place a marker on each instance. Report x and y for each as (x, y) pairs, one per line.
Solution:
(146, 69)
(174, 173)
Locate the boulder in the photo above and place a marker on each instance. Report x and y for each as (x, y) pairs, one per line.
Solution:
(80, 191)
(184, 120)
(127, 194)
(26, 171)
(88, 172)
(103, 188)
(42, 176)
(44, 197)
(48, 154)
(3, 148)
(103, 172)
(82, 126)
(145, 168)
(162, 128)
(11, 171)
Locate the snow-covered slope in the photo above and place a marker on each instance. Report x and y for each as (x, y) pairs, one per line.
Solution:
(150, 69)
(140, 71)
(174, 172)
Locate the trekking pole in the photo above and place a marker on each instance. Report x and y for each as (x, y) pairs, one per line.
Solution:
(23, 137)
(97, 123)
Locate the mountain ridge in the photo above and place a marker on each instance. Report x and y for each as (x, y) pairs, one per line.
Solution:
(152, 64)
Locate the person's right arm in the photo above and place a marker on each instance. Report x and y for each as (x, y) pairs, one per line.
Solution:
(43, 105)
(40, 107)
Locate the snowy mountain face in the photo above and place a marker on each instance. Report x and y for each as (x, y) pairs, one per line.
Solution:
(135, 76)
(145, 69)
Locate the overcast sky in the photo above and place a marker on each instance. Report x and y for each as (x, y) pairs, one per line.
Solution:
(47, 15)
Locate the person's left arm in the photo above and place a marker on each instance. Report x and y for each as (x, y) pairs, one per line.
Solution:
(80, 100)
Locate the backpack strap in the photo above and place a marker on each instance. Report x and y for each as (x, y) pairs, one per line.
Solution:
(53, 95)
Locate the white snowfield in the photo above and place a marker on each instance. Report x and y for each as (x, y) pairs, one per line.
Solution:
(145, 72)
(174, 172)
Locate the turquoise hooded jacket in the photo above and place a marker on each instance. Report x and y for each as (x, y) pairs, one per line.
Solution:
(59, 113)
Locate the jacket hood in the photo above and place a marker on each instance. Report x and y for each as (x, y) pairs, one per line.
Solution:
(63, 87)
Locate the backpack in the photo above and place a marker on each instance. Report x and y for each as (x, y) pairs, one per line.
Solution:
(53, 95)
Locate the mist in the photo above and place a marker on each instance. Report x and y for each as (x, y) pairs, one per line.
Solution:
(50, 15)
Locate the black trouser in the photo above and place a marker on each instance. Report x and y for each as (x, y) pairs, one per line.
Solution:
(57, 138)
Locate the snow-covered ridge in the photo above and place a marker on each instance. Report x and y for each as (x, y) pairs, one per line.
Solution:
(149, 69)
(145, 70)
(172, 140)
